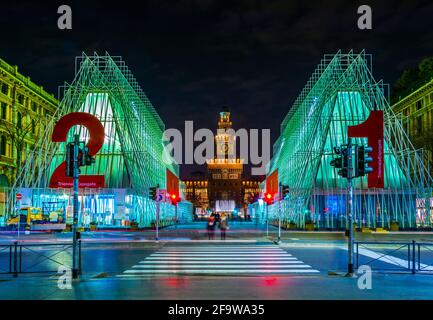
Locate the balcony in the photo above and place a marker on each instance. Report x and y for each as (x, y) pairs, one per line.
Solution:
(6, 159)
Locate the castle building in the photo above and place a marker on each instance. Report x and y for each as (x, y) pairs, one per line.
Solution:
(223, 189)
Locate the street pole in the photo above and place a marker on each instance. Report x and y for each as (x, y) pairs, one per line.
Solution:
(279, 213)
(19, 218)
(175, 214)
(75, 209)
(157, 216)
(350, 207)
(267, 220)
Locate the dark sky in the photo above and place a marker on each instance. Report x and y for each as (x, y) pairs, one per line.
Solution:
(192, 57)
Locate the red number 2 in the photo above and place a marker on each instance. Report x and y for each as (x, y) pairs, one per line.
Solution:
(95, 143)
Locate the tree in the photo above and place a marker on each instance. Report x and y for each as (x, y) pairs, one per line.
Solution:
(426, 69)
(413, 78)
(406, 82)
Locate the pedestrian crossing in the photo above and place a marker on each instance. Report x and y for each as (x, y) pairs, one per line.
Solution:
(219, 260)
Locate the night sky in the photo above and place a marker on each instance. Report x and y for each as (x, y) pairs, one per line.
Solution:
(193, 57)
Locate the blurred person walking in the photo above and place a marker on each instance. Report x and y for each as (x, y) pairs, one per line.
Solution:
(211, 226)
(224, 225)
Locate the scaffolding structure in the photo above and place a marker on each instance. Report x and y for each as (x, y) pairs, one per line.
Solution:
(341, 93)
(133, 156)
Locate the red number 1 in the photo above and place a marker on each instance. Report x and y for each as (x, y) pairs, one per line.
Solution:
(372, 128)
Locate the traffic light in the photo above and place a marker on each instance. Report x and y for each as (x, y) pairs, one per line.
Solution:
(268, 198)
(69, 160)
(174, 198)
(152, 193)
(341, 161)
(362, 161)
(284, 191)
(86, 158)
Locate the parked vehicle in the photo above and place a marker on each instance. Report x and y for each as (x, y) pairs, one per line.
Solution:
(33, 219)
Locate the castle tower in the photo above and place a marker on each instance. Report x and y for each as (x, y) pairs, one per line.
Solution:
(225, 170)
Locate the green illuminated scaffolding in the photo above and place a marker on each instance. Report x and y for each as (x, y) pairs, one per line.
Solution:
(340, 93)
(133, 155)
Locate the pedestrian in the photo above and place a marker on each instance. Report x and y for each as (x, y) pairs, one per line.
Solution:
(211, 226)
(224, 225)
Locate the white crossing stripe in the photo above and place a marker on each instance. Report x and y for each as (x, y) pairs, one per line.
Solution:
(243, 255)
(219, 259)
(266, 266)
(193, 262)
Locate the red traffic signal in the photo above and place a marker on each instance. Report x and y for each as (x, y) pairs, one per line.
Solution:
(268, 198)
(174, 198)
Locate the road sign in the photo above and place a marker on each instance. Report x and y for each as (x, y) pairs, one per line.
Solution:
(161, 196)
(19, 196)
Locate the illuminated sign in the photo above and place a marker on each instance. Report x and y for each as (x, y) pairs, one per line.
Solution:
(372, 129)
(96, 140)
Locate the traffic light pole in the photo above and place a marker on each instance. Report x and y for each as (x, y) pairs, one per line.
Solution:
(75, 178)
(279, 213)
(175, 215)
(157, 217)
(267, 220)
(350, 208)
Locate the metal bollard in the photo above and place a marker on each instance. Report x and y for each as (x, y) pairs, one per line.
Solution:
(79, 257)
(15, 267)
(413, 256)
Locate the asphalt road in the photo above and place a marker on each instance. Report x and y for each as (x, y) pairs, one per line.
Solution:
(129, 266)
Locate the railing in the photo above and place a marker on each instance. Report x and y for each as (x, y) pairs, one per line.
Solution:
(424, 263)
(5, 259)
(411, 257)
(23, 258)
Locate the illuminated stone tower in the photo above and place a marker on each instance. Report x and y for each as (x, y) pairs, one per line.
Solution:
(225, 170)
(224, 140)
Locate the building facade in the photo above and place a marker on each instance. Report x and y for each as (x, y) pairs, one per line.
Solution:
(25, 108)
(416, 110)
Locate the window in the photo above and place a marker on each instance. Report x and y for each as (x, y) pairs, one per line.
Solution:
(4, 111)
(34, 106)
(418, 105)
(419, 125)
(33, 126)
(3, 145)
(19, 120)
(5, 88)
